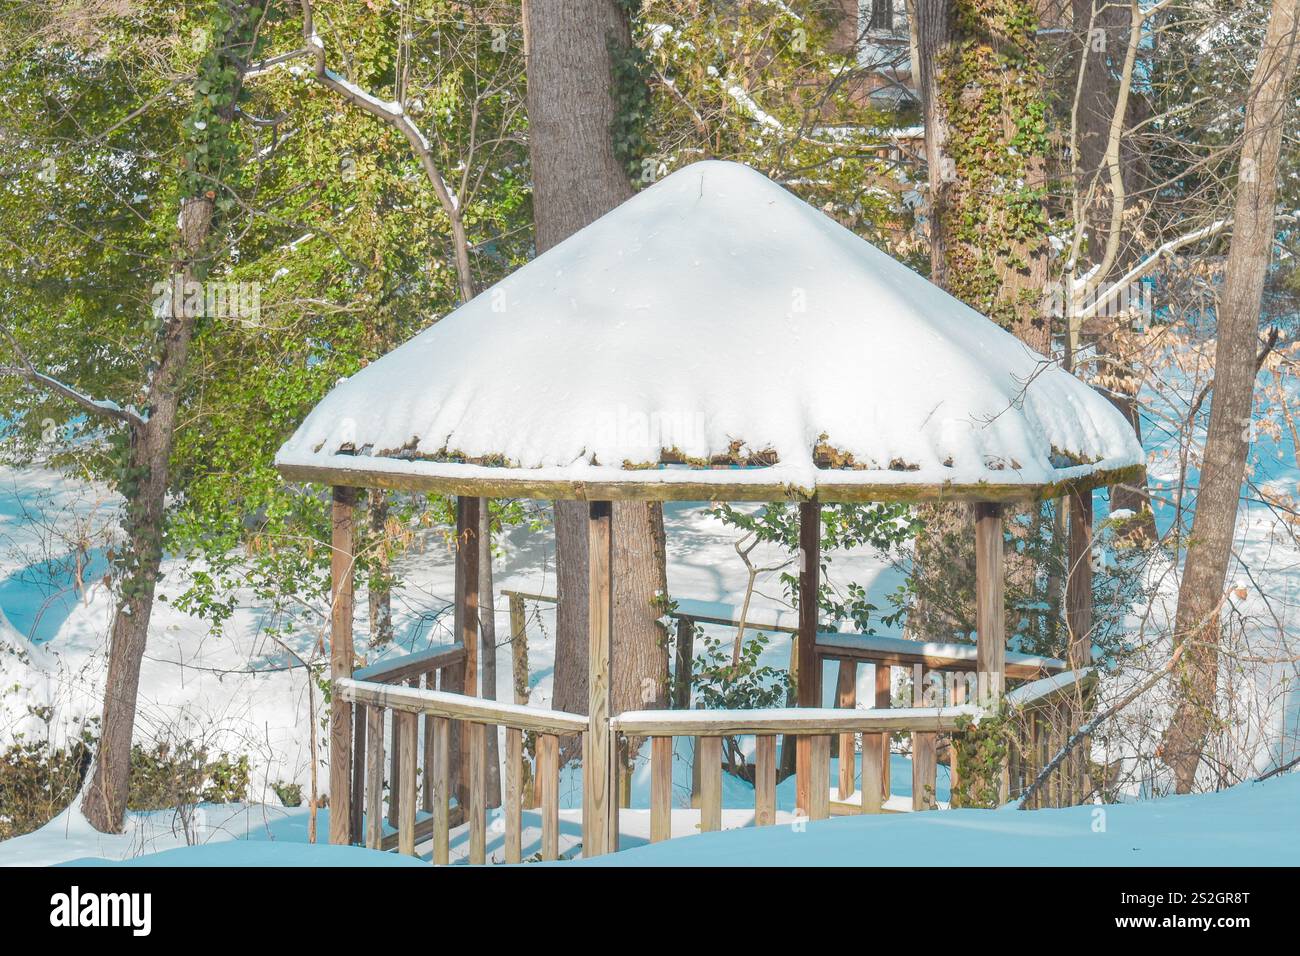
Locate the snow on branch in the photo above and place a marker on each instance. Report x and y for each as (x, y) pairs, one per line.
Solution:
(1104, 297)
(101, 407)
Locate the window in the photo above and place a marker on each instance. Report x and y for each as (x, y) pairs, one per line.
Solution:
(882, 14)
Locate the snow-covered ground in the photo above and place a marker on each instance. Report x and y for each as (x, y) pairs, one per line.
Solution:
(1248, 825)
(1252, 824)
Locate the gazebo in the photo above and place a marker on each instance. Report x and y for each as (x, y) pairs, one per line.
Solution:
(713, 338)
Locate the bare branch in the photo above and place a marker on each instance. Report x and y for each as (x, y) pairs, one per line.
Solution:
(394, 114)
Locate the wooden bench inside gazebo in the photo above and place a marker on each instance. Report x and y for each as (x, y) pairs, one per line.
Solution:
(878, 386)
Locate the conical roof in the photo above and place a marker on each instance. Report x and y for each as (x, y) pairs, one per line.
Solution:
(712, 330)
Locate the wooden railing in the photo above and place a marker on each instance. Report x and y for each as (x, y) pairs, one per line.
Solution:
(1043, 714)
(443, 711)
(450, 743)
(812, 728)
(955, 663)
(436, 667)
(848, 651)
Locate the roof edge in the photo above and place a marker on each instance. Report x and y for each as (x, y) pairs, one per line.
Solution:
(765, 484)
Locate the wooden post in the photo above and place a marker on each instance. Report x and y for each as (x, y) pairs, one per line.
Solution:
(623, 773)
(990, 614)
(847, 696)
(467, 571)
(518, 649)
(710, 749)
(661, 788)
(519, 675)
(990, 617)
(360, 721)
(764, 780)
(466, 625)
(341, 652)
(803, 793)
(809, 683)
(954, 739)
(597, 775)
(397, 794)
(394, 769)
(1078, 589)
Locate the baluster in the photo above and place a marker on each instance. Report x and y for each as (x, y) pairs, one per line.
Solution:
(958, 698)
(441, 789)
(1015, 766)
(873, 773)
(406, 818)
(924, 770)
(477, 743)
(764, 780)
(394, 768)
(375, 778)
(548, 773)
(514, 794)
(360, 720)
(1044, 753)
(426, 789)
(847, 696)
(661, 788)
(884, 693)
(710, 749)
(819, 778)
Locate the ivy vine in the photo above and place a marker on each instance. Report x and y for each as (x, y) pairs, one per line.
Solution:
(630, 87)
(994, 215)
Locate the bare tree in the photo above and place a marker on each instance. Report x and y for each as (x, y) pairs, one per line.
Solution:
(1215, 521)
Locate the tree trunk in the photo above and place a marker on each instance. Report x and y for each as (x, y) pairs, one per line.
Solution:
(1200, 595)
(974, 73)
(576, 179)
(934, 33)
(576, 176)
(104, 802)
(569, 679)
(985, 249)
(149, 454)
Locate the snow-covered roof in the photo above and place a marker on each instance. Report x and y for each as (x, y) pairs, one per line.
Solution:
(713, 330)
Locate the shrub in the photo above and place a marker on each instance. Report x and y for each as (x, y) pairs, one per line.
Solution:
(38, 781)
